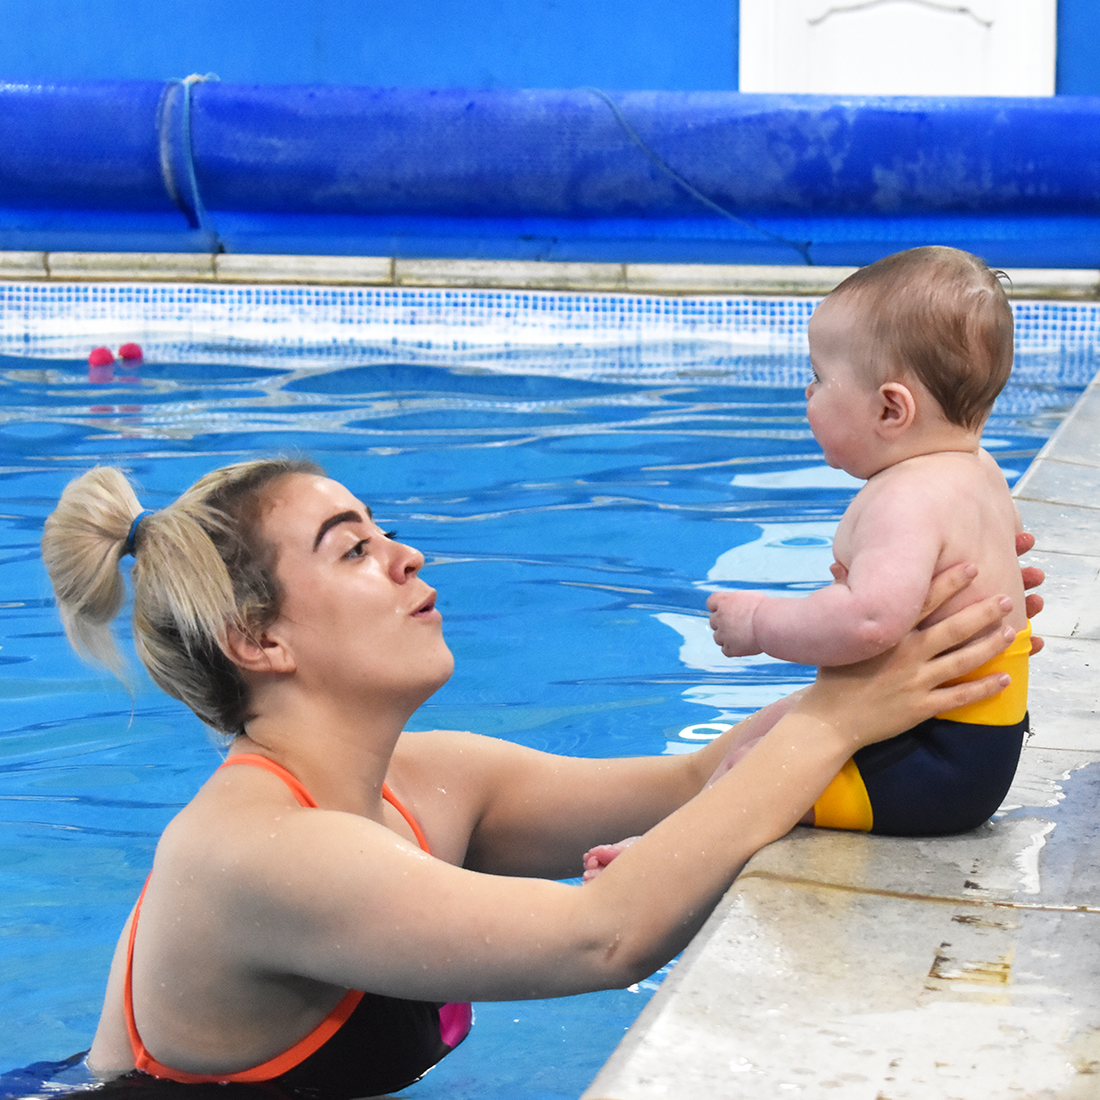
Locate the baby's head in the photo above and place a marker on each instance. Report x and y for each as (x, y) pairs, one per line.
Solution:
(940, 315)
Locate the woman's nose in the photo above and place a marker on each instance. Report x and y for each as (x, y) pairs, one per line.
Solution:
(407, 561)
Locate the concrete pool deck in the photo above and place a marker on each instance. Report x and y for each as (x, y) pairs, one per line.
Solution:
(854, 967)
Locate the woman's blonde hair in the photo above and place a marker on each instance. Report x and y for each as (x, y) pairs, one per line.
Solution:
(200, 567)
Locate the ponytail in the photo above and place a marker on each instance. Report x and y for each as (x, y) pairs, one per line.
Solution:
(82, 545)
(200, 567)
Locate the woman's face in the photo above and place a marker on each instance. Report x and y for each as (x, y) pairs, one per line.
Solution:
(355, 613)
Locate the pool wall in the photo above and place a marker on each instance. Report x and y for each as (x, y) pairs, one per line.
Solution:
(571, 176)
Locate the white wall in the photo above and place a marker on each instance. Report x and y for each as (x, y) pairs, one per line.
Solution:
(898, 47)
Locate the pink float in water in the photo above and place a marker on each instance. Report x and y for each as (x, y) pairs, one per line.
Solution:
(130, 351)
(100, 357)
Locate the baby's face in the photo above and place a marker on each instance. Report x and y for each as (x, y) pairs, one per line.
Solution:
(840, 404)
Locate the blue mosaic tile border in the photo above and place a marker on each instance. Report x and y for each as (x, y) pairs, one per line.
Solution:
(54, 309)
(38, 317)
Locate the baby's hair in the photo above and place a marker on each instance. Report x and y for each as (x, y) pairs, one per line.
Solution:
(941, 314)
(200, 567)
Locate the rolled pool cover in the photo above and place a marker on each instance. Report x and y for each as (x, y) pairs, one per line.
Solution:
(561, 174)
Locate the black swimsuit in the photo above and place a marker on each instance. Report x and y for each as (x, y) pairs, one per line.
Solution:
(368, 1044)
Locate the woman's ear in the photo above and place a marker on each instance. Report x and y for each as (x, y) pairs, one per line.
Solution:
(897, 409)
(262, 652)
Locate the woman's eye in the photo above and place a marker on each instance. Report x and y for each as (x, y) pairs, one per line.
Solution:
(358, 550)
(391, 535)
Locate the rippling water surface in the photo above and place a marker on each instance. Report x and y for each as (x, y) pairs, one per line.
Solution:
(575, 507)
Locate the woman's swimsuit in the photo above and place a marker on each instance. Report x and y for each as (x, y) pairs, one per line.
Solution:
(368, 1044)
(946, 775)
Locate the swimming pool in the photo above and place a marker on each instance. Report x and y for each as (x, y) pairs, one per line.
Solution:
(579, 470)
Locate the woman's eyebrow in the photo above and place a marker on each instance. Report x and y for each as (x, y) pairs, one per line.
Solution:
(334, 521)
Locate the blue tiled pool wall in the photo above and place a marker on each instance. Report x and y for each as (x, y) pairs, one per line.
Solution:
(44, 313)
(591, 335)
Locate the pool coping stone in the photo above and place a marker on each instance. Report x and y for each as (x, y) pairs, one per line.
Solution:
(668, 279)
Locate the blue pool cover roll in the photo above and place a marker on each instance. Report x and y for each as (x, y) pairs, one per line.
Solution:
(580, 174)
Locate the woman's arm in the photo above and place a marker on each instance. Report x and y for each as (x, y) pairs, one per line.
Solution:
(542, 813)
(356, 906)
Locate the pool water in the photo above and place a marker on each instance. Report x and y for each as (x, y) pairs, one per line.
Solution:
(574, 510)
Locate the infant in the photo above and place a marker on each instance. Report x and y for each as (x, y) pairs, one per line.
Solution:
(908, 356)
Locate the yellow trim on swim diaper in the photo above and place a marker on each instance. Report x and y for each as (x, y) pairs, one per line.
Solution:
(1008, 706)
(845, 803)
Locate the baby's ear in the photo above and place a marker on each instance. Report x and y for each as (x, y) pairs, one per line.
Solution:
(897, 408)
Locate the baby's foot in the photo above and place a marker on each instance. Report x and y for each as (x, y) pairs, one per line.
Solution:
(596, 859)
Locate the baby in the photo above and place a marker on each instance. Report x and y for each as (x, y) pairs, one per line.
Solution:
(908, 355)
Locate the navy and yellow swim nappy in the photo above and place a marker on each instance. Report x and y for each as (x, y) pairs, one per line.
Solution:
(946, 775)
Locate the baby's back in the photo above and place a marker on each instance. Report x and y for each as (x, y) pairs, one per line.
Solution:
(935, 511)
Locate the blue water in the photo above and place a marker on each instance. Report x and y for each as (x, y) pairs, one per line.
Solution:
(573, 517)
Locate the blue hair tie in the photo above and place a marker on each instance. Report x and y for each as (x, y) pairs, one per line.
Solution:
(131, 537)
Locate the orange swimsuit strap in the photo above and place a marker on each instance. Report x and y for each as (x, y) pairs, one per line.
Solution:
(309, 1044)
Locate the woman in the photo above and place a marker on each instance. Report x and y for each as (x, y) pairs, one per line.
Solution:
(268, 600)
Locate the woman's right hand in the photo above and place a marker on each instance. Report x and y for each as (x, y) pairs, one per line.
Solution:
(886, 695)
(1032, 576)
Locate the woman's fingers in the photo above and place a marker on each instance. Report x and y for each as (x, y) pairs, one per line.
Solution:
(945, 585)
(955, 579)
(970, 644)
(899, 689)
(960, 640)
(1033, 576)
(950, 696)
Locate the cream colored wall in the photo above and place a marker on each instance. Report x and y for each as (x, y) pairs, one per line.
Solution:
(898, 47)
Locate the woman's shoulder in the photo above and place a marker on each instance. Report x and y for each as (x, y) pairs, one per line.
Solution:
(454, 781)
(431, 754)
(226, 816)
(456, 766)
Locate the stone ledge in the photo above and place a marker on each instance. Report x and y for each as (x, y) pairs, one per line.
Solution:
(668, 279)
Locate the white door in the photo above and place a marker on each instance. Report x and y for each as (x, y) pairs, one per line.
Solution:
(898, 47)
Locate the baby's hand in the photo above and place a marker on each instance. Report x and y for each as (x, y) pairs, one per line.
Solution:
(731, 620)
(596, 859)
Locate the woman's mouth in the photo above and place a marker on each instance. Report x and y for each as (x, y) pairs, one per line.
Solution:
(427, 607)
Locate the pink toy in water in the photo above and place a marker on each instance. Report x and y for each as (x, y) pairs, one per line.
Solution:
(130, 351)
(100, 357)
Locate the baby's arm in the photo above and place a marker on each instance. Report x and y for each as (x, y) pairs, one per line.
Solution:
(869, 607)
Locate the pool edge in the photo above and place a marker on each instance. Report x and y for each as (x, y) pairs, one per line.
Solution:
(702, 1037)
(382, 271)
